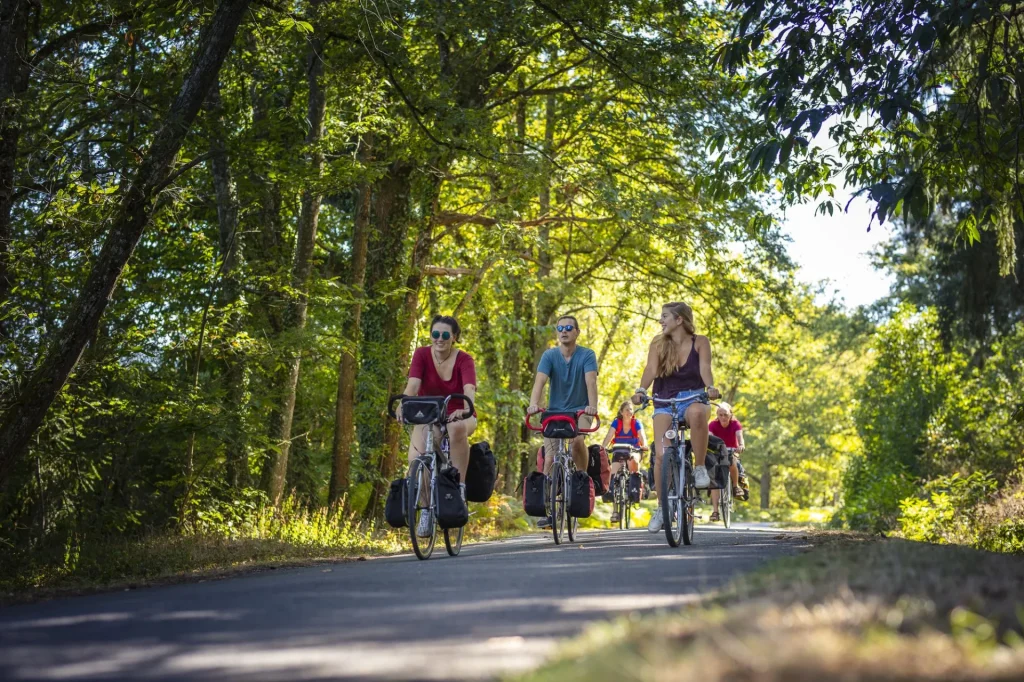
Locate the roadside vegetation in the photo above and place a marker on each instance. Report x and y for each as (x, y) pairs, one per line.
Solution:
(849, 606)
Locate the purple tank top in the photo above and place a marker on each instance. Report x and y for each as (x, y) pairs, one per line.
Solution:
(685, 378)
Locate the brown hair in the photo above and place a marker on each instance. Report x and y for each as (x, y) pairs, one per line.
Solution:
(667, 350)
(623, 406)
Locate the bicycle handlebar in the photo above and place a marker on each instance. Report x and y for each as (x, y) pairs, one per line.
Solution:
(579, 413)
(462, 396)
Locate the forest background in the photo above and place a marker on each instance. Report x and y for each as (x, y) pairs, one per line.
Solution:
(224, 227)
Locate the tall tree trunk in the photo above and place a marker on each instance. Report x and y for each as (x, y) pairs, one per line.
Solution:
(385, 255)
(766, 484)
(276, 465)
(135, 205)
(236, 455)
(344, 409)
(508, 435)
(13, 82)
(545, 305)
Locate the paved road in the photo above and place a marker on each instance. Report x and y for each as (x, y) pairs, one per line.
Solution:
(499, 607)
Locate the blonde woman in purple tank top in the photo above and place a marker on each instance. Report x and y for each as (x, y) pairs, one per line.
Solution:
(679, 365)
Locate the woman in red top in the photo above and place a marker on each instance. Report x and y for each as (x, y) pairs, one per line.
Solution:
(441, 370)
(729, 429)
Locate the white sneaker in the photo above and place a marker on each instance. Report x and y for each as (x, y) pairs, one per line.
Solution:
(700, 477)
(657, 521)
(425, 528)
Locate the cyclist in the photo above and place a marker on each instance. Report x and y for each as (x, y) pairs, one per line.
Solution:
(572, 371)
(679, 364)
(441, 370)
(729, 429)
(625, 430)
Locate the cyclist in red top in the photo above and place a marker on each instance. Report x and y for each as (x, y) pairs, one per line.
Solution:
(729, 429)
(441, 370)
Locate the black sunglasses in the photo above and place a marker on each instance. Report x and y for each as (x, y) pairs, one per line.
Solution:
(565, 327)
(441, 335)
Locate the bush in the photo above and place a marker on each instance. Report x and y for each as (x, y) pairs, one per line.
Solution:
(948, 514)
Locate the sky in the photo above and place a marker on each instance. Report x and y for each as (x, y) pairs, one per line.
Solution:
(835, 248)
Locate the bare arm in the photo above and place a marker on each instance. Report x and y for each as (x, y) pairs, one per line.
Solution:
(608, 438)
(412, 387)
(642, 435)
(739, 441)
(650, 370)
(591, 379)
(469, 390)
(538, 392)
(704, 353)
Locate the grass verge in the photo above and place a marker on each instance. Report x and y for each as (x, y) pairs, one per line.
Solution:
(852, 608)
(264, 542)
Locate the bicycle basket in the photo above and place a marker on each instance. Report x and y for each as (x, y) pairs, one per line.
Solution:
(559, 426)
(422, 410)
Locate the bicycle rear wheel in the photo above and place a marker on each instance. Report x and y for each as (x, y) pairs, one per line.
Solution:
(558, 502)
(418, 489)
(669, 497)
(453, 540)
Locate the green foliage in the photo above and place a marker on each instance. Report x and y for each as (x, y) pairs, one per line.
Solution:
(946, 514)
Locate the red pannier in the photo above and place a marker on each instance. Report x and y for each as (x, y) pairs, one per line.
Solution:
(599, 468)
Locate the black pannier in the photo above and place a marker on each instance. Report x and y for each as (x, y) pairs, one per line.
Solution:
(481, 473)
(422, 410)
(451, 509)
(635, 487)
(534, 486)
(717, 463)
(394, 506)
(559, 428)
(581, 495)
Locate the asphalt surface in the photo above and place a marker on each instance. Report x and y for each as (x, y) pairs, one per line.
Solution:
(498, 608)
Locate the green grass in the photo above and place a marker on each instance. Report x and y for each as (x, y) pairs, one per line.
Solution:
(262, 539)
(850, 608)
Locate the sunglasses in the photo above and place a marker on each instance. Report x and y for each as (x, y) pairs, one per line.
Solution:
(565, 327)
(440, 335)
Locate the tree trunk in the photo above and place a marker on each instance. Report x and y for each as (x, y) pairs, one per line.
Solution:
(13, 82)
(766, 484)
(508, 434)
(135, 205)
(545, 306)
(276, 466)
(344, 410)
(236, 454)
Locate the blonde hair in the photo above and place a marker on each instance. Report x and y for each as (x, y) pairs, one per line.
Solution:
(667, 350)
(725, 406)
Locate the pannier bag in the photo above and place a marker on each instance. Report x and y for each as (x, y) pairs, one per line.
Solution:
(481, 473)
(599, 468)
(451, 510)
(422, 410)
(717, 463)
(559, 428)
(533, 494)
(394, 506)
(635, 487)
(581, 495)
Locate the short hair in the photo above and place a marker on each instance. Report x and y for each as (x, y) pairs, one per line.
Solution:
(450, 321)
(568, 317)
(725, 406)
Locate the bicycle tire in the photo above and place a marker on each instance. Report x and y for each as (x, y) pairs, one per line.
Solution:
(688, 499)
(453, 540)
(572, 524)
(725, 502)
(671, 509)
(557, 502)
(423, 547)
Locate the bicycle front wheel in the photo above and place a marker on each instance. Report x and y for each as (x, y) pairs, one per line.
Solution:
(420, 501)
(725, 502)
(669, 497)
(687, 500)
(558, 500)
(453, 540)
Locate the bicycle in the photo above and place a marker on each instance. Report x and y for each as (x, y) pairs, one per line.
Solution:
(564, 427)
(677, 493)
(423, 470)
(622, 503)
(725, 493)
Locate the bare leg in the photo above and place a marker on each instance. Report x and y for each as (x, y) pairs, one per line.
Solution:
(458, 438)
(615, 468)
(697, 418)
(661, 424)
(734, 474)
(580, 456)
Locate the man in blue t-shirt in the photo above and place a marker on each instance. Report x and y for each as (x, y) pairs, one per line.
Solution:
(572, 371)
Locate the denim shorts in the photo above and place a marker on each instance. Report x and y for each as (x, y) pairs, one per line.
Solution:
(690, 397)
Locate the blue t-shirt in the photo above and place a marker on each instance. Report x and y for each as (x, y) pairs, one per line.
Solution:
(567, 379)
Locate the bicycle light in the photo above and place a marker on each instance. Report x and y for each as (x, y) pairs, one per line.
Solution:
(671, 434)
